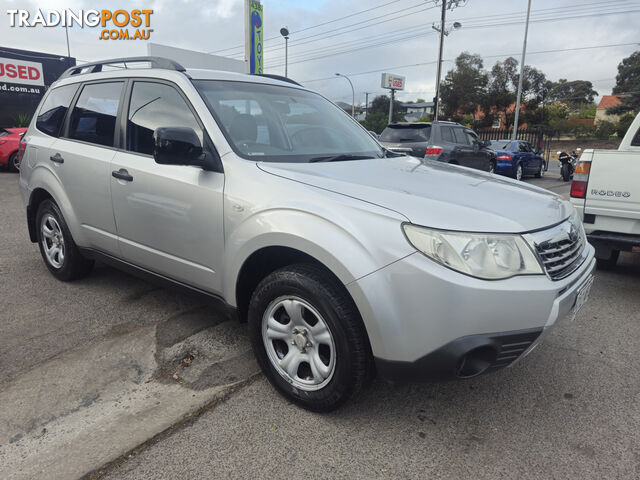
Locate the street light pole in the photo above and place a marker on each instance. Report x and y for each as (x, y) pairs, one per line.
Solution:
(353, 94)
(284, 31)
(66, 31)
(436, 100)
(366, 104)
(519, 96)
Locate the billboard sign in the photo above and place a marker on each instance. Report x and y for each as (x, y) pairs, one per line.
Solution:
(254, 39)
(21, 72)
(392, 81)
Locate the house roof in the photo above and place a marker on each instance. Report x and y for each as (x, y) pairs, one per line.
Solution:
(609, 101)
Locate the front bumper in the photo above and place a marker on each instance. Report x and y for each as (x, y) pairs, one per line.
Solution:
(425, 320)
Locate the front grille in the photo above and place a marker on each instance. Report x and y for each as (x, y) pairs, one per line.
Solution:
(561, 248)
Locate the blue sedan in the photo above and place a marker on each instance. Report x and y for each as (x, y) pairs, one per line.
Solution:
(516, 158)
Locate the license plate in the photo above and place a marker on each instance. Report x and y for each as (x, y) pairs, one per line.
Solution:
(582, 297)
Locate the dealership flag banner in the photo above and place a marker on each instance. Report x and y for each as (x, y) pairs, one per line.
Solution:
(253, 39)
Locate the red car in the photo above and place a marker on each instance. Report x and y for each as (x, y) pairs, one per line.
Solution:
(9, 141)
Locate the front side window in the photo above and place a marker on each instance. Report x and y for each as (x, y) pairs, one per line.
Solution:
(54, 108)
(155, 105)
(471, 138)
(94, 116)
(284, 124)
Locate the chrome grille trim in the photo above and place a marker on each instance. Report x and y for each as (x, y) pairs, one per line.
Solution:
(561, 249)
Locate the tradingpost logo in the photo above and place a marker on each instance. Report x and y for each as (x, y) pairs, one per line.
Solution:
(114, 24)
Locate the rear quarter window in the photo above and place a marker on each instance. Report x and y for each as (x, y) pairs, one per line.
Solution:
(53, 110)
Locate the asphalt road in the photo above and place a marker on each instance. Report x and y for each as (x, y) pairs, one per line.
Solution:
(571, 409)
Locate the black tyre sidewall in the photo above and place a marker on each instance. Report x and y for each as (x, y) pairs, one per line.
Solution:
(11, 162)
(564, 171)
(346, 380)
(74, 265)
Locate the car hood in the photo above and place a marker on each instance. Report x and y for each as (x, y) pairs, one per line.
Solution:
(434, 194)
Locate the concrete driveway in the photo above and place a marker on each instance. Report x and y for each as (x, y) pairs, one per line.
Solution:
(152, 383)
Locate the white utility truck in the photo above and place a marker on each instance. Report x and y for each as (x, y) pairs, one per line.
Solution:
(606, 192)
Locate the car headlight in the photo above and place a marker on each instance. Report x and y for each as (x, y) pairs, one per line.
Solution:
(490, 256)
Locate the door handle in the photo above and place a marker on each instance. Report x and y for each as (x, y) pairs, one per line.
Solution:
(122, 174)
(57, 158)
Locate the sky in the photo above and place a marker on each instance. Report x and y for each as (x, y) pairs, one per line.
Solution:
(363, 38)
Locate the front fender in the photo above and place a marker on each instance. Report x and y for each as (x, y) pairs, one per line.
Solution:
(350, 253)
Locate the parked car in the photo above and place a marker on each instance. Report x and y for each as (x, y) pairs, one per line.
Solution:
(605, 191)
(516, 159)
(9, 142)
(447, 142)
(266, 196)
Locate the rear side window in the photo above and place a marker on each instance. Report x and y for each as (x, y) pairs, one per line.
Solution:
(155, 105)
(461, 136)
(447, 134)
(402, 134)
(51, 115)
(94, 115)
(635, 141)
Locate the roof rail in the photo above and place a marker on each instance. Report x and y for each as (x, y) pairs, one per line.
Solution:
(156, 62)
(278, 77)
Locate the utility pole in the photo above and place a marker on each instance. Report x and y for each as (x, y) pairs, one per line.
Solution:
(284, 31)
(393, 96)
(66, 31)
(436, 101)
(366, 104)
(519, 96)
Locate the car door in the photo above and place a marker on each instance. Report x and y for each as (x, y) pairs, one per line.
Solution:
(81, 158)
(479, 157)
(169, 218)
(528, 163)
(464, 150)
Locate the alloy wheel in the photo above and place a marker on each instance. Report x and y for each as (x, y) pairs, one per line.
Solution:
(52, 240)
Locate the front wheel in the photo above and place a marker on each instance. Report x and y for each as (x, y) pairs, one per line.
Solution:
(540, 173)
(308, 337)
(492, 167)
(565, 172)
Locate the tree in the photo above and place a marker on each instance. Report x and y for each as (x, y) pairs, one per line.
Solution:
(380, 104)
(501, 93)
(624, 123)
(628, 82)
(572, 93)
(464, 85)
(376, 122)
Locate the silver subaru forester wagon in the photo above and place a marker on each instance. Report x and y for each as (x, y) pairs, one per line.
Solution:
(345, 259)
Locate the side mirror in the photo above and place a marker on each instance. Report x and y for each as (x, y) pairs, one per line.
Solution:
(538, 152)
(485, 143)
(177, 146)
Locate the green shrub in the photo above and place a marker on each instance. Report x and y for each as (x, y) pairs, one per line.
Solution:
(624, 123)
(604, 129)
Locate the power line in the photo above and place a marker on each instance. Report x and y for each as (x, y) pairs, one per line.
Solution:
(484, 56)
(315, 26)
(341, 52)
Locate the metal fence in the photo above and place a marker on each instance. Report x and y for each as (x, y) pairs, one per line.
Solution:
(538, 137)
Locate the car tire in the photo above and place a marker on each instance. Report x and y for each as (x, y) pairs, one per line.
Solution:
(12, 166)
(58, 250)
(301, 312)
(519, 172)
(608, 261)
(492, 167)
(540, 173)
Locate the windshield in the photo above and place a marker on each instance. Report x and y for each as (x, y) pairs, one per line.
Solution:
(501, 144)
(406, 133)
(283, 124)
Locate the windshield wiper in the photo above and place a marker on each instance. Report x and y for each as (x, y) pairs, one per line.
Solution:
(338, 158)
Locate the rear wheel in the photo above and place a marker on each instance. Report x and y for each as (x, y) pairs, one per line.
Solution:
(518, 175)
(59, 251)
(13, 163)
(308, 337)
(564, 171)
